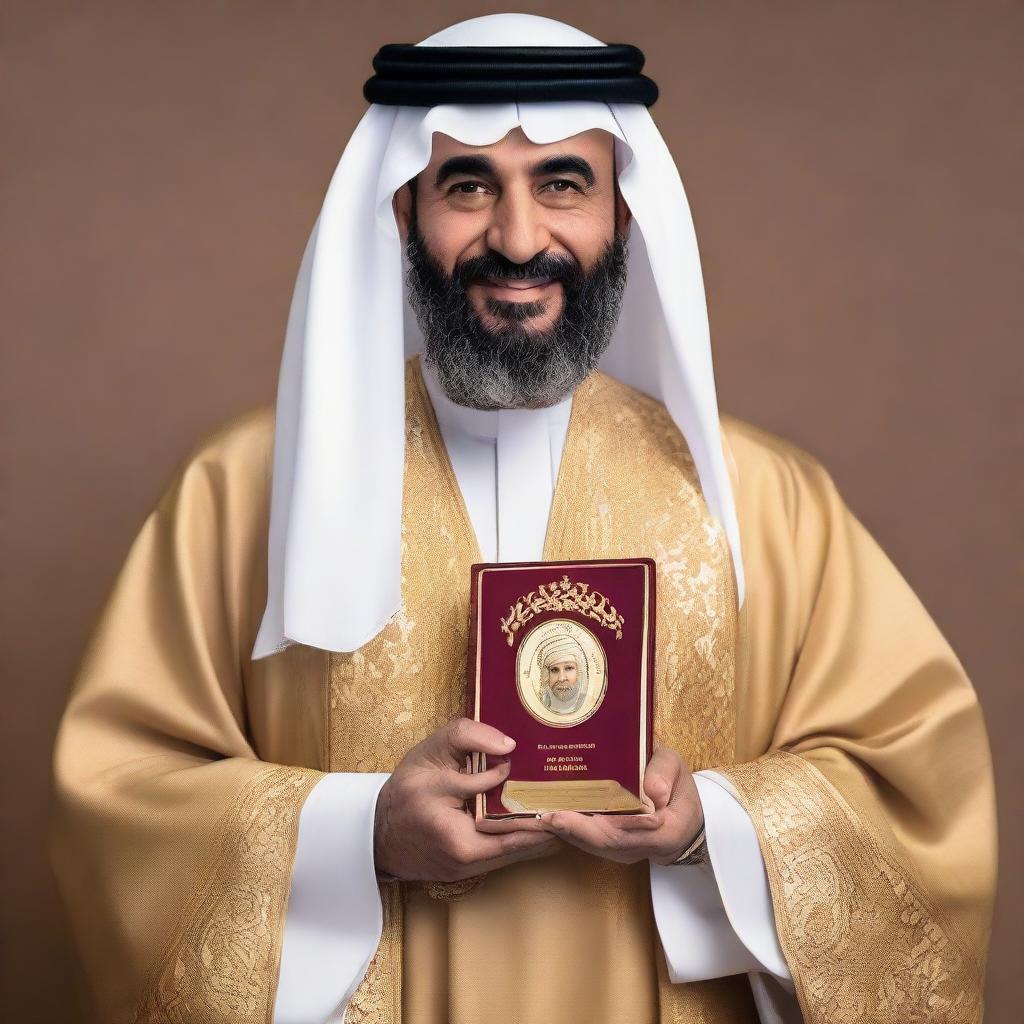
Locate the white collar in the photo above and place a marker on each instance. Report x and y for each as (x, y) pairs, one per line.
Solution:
(506, 464)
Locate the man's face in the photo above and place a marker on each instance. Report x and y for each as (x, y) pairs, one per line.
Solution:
(562, 678)
(517, 264)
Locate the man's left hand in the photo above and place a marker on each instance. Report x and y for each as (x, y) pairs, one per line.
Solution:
(661, 835)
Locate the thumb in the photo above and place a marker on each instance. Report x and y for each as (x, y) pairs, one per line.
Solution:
(464, 736)
(663, 771)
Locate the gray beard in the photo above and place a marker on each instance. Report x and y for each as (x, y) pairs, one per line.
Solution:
(565, 705)
(513, 368)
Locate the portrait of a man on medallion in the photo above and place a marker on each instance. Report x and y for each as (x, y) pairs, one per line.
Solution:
(562, 673)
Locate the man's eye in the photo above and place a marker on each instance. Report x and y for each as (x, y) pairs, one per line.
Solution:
(563, 185)
(469, 188)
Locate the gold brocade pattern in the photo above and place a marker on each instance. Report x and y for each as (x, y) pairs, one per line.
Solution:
(855, 924)
(627, 487)
(378, 998)
(220, 963)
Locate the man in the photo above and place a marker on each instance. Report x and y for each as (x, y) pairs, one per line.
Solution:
(565, 685)
(259, 809)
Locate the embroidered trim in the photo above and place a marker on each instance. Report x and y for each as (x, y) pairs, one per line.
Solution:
(379, 997)
(222, 962)
(858, 930)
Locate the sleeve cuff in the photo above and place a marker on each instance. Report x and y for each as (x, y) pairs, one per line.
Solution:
(739, 870)
(333, 922)
(716, 919)
(696, 936)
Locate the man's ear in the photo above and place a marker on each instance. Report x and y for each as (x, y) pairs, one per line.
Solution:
(623, 214)
(401, 204)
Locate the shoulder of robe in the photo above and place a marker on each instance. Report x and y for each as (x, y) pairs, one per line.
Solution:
(771, 477)
(761, 458)
(231, 462)
(762, 466)
(774, 477)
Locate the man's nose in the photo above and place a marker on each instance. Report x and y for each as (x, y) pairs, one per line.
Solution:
(518, 230)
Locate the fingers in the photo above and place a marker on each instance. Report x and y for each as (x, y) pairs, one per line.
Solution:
(464, 786)
(605, 836)
(512, 844)
(472, 853)
(464, 736)
(545, 846)
(662, 774)
(581, 830)
(639, 822)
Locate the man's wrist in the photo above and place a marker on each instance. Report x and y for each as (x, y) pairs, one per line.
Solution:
(695, 852)
(380, 823)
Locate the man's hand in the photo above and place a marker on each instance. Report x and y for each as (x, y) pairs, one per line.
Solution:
(422, 830)
(661, 836)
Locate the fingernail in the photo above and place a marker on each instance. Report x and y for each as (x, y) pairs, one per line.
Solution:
(508, 743)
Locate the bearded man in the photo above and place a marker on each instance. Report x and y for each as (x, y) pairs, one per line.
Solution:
(564, 675)
(259, 812)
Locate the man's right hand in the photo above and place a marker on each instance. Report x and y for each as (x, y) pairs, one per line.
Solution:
(422, 829)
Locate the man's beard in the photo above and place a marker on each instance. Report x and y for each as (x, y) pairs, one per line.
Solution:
(512, 367)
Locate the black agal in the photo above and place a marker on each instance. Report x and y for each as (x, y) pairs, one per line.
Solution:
(426, 76)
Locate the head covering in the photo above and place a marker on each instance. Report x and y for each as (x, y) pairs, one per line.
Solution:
(427, 76)
(334, 575)
(559, 648)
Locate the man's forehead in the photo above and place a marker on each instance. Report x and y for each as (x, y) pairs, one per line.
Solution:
(515, 146)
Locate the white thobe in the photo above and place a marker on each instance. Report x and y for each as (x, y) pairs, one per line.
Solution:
(713, 920)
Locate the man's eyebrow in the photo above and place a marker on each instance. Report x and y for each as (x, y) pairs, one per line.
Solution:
(464, 165)
(565, 164)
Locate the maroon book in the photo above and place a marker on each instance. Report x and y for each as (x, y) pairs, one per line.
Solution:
(561, 658)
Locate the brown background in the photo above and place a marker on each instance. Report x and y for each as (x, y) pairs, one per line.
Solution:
(854, 176)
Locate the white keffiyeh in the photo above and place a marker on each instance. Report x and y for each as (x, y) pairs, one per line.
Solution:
(335, 522)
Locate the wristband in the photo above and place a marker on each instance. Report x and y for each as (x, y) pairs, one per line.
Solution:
(696, 852)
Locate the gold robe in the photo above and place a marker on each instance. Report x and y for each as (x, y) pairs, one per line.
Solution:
(830, 701)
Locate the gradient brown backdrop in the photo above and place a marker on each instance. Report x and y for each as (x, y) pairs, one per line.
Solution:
(854, 176)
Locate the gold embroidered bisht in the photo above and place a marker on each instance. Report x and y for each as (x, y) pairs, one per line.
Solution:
(830, 701)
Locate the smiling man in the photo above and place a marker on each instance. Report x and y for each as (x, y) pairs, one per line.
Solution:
(517, 258)
(498, 350)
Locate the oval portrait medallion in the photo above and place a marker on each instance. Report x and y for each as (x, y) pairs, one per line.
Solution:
(561, 673)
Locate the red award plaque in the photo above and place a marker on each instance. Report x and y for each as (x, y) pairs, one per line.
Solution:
(561, 658)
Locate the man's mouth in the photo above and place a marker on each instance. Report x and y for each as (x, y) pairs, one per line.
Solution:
(528, 289)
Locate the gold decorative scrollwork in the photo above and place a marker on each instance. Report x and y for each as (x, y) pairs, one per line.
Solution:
(562, 596)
